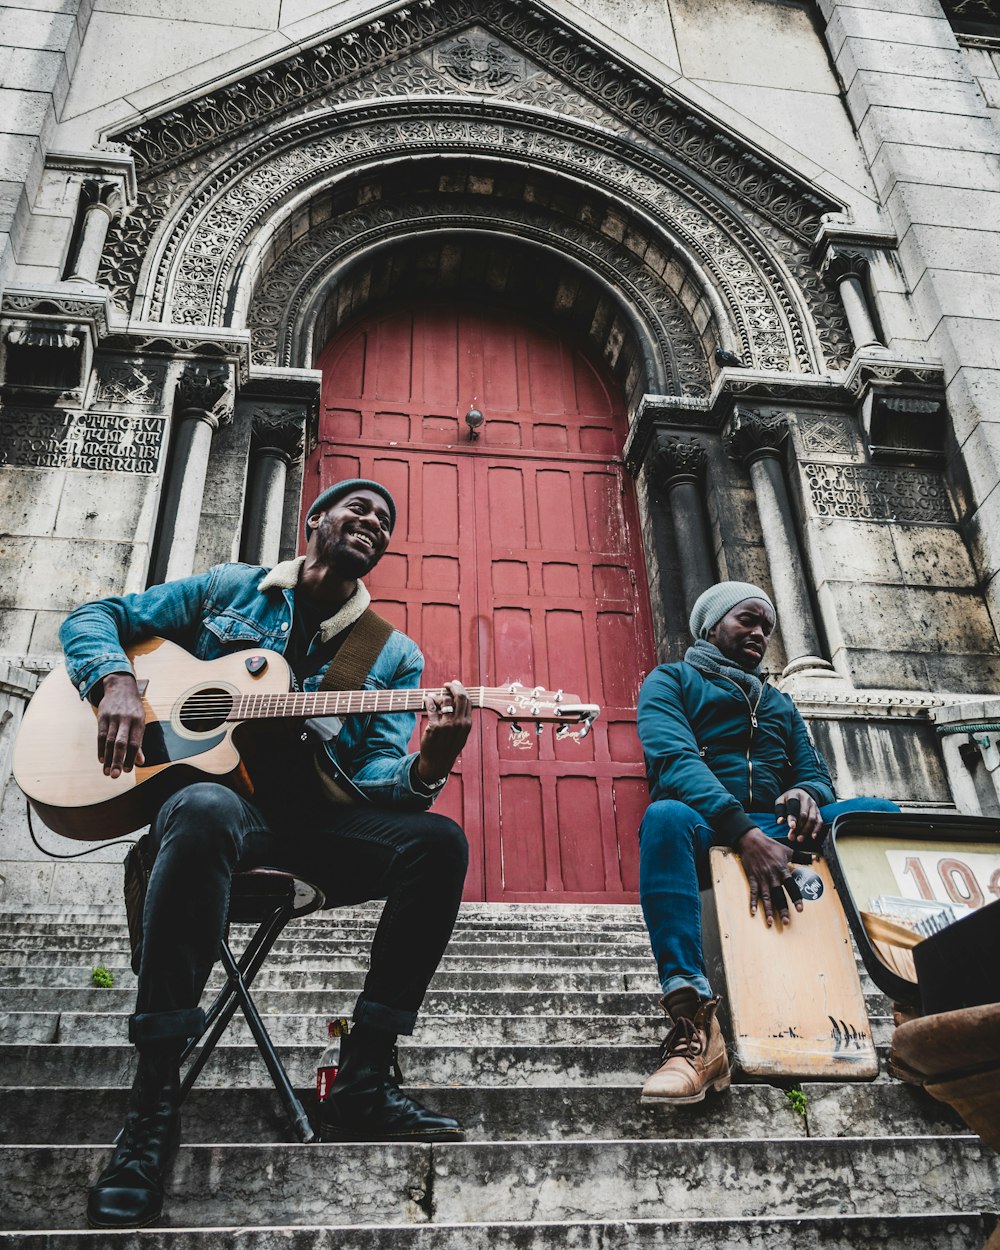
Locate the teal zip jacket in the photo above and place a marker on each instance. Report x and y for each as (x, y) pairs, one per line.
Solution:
(707, 747)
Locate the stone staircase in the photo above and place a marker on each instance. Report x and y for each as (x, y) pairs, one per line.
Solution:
(537, 1032)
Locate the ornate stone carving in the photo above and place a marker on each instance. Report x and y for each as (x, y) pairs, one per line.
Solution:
(751, 433)
(275, 310)
(102, 193)
(263, 97)
(136, 383)
(879, 371)
(206, 389)
(478, 62)
(841, 262)
(177, 150)
(823, 437)
(207, 244)
(863, 493)
(678, 457)
(107, 442)
(278, 430)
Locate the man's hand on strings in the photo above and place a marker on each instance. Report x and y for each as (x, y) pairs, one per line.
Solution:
(120, 724)
(449, 720)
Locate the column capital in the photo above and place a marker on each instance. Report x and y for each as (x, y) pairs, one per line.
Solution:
(840, 263)
(205, 391)
(751, 433)
(278, 431)
(103, 193)
(675, 457)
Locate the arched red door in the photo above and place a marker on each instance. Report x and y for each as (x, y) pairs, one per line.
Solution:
(516, 556)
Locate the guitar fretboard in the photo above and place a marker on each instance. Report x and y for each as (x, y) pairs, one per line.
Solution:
(343, 702)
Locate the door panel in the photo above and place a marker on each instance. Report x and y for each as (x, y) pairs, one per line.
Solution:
(513, 559)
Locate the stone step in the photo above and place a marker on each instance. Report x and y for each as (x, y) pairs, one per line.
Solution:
(960, 1231)
(75, 1116)
(515, 1066)
(300, 1029)
(304, 958)
(241, 1066)
(99, 1028)
(324, 946)
(530, 1181)
(315, 978)
(330, 1003)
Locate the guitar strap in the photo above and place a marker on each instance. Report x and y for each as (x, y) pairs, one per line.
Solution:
(347, 671)
(358, 652)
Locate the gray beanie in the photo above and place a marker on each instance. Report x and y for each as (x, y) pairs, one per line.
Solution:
(339, 489)
(713, 604)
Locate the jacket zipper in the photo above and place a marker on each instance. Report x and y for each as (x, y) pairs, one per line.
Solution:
(753, 729)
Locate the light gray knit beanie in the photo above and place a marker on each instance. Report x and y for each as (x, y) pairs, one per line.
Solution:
(713, 604)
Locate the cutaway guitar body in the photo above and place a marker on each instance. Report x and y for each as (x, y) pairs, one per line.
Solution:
(55, 757)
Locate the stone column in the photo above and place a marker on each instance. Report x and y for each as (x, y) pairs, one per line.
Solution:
(276, 443)
(848, 269)
(100, 202)
(204, 402)
(678, 464)
(756, 440)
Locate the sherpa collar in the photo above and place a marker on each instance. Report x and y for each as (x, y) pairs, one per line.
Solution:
(285, 576)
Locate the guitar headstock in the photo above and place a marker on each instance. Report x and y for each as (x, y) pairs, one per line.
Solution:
(516, 703)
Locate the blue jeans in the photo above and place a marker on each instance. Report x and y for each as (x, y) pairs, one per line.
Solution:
(674, 842)
(416, 861)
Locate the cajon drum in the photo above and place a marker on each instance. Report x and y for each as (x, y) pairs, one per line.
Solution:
(792, 1001)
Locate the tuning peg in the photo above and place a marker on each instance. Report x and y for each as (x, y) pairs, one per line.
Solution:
(562, 732)
(585, 729)
(539, 729)
(516, 726)
(559, 697)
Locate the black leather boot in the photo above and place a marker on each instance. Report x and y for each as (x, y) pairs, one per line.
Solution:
(366, 1103)
(129, 1192)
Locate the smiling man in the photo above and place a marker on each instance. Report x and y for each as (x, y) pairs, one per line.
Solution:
(344, 804)
(729, 762)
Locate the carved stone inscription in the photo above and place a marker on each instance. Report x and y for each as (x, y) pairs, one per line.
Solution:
(863, 493)
(109, 442)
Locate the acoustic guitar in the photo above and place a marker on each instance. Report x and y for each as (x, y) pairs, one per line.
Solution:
(195, 712)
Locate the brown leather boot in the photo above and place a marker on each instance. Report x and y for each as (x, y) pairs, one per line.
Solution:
(692, 1059)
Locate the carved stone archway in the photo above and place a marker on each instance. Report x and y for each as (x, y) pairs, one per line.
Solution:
(254, 202)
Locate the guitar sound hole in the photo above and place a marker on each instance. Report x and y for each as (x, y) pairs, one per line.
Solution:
(206, 710)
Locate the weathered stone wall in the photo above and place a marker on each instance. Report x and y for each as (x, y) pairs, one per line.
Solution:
(40, 43)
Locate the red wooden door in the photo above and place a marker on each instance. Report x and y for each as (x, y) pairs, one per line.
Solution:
(515, 557)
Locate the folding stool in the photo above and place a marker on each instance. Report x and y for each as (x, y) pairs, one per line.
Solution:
(269, 898)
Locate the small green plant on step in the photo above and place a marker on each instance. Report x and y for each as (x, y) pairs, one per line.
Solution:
(799, 1102)
(102, 977)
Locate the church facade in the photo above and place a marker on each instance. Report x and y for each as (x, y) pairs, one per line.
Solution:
(617, 299)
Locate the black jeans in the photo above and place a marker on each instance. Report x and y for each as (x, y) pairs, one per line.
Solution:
(415, 860)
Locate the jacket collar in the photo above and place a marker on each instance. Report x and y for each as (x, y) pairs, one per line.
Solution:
(285, 576)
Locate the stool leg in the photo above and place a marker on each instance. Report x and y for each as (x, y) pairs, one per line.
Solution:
(296, 1112)
(224, 1007)
(235, 993)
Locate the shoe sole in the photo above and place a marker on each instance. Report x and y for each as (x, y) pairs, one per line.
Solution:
(111, 1228)
(327, 1136)
(652, 1100)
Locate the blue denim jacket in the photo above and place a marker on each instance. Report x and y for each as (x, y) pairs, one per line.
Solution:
(227, 609)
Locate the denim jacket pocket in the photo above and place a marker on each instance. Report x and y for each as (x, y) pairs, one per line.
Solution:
(231, 628)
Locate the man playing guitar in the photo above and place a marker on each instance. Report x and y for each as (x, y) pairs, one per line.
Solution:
(384, 844)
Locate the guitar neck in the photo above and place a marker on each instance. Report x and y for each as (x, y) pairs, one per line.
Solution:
(336, 703)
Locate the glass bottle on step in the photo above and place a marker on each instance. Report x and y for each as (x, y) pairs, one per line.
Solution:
(329, 1064)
